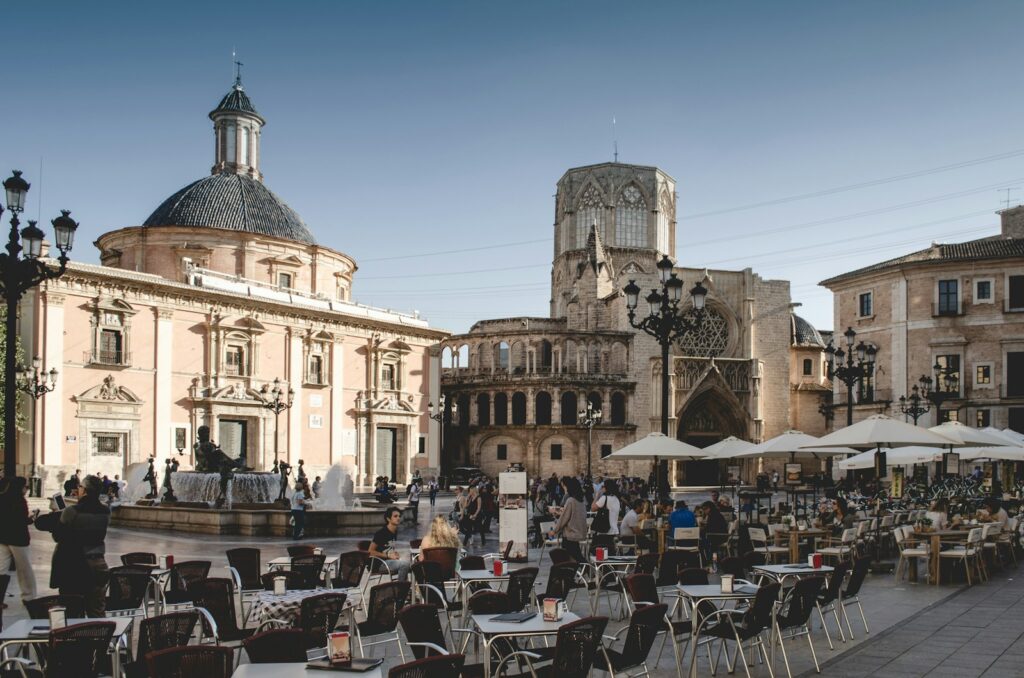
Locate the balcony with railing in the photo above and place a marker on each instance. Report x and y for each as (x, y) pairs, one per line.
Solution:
(473, 375)
(98, 356)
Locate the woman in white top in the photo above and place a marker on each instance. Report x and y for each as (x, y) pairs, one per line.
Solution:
(937, 514)
(609, 498)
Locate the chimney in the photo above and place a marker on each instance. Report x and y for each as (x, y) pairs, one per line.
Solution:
(1013, 222)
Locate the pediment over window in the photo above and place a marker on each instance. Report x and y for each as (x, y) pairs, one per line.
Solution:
(249, 324)
(114, 305)
(109, 391)
(399, 345)
(288, 260)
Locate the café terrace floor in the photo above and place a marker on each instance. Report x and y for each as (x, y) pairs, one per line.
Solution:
(916, 629)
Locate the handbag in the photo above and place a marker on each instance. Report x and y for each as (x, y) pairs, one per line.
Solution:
(602, 519)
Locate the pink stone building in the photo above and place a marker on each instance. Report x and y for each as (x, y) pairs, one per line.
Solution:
(190, 318)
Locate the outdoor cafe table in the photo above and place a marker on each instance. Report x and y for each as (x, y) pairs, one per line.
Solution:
(935, 546)
(782, 572)
(493, 630)
(794, 539)
(285, 563)
(20, 633)
(696, 593)
(294, 670)
(467, 577)
(286, 606)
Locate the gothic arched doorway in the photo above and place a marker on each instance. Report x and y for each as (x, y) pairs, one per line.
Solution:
(710, 416)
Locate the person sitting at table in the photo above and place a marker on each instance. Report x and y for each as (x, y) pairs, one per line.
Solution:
(993, 512)
(716, 529)
(664, 507)
(842, 519)
(630, 524)
(572, 521)
(938, 513)
(682, 516)
(383, 545)
(441, 535)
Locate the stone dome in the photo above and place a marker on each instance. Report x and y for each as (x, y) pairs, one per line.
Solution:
(233, 202)
(803, 333)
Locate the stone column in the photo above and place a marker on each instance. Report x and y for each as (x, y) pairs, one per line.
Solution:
(52, 405)
(337, 410)
(531, 407)
(556, 407)
(162, 396)
(295, 377)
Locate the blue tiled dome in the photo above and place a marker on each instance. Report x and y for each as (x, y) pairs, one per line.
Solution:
(233, 202)
(804, 334)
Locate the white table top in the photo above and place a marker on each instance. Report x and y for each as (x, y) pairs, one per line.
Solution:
(481, 575)
(794, 570)
(537, 625)
(297, 670)
(20, 629)
(286, 560)
(706, 591)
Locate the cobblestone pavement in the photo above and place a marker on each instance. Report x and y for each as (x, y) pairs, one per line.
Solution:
(887, 602)
(977, 631)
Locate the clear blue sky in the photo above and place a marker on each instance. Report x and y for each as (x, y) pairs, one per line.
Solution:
(400, 129)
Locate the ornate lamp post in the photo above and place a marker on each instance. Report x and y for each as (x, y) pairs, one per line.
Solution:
(437, 413)
(916, 404)
(21, 269)
(667, 323)
(843, 366)
(947, 387)
(589, 418)
(277, 400)
(36, 383)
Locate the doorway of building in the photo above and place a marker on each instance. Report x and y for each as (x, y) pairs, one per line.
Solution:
(384, 465)
(233, 437)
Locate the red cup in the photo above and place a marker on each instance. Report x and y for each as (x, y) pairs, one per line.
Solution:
(601, 553)
(498, 568)
(170, 561)
(817, 560)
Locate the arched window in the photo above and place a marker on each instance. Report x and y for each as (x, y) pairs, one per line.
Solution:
(500, 409)
(483, 409)
(230, 143)
(447, 357)
(545, 356)
(569, 408)
(618, 409)
(589, 210)
(808, 367)
(542, 408)
(243, 153)
(519, 408)
(501, 355)
(631, 218)
(462, 356)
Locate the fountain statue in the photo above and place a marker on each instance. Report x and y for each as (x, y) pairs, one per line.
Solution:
(284, 468)
(210, 458)
(171, 467)
(151, 478)
(301, 476)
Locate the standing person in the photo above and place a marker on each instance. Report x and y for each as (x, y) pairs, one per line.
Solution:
(383, 544)
(79, 566)
(14, 537)
(572, 522)
(298, 504)
(72, 484)
(540, 515)
(608, 497)
(470, 514)
(317, 484)
(414, 501)
(775, 479)
(432, 491)
(490, 509)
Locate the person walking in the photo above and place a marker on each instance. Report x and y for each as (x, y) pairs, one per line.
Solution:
(572, 522)
(14, 537)
(298, 504)
(469, 524)
(414, 501)
(608, 498)
(432, 491)
(79, 566)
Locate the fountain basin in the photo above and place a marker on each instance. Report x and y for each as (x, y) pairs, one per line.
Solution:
(261, 522)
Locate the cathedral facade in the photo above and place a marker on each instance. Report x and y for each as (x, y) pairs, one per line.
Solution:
(195, 316)
(521, 384)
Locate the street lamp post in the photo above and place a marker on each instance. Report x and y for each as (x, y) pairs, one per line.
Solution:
(277, 400)
(589, 418)
(667, 323)
(437, 413)
(36, 383)
(842, 366)
(20, 270)
(947, 387)
(917, 404)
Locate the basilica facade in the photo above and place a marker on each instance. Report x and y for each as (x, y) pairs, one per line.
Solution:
(195, 316)
(520, 385)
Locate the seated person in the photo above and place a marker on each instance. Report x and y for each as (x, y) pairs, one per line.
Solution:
(682, 516)
(383, 545)
(993, 512)
(631, 521)
(441, 535)
(937, 514)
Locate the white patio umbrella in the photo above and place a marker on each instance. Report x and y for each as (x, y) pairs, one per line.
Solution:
(1014, 434)
(1000, 452)
(792, 443)
(878, 431)
(727, 448)
(1011, 437)
(966, 435)
(901, 456)
(658, 446)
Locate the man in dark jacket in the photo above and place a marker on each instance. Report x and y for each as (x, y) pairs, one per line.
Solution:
(78, 565)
